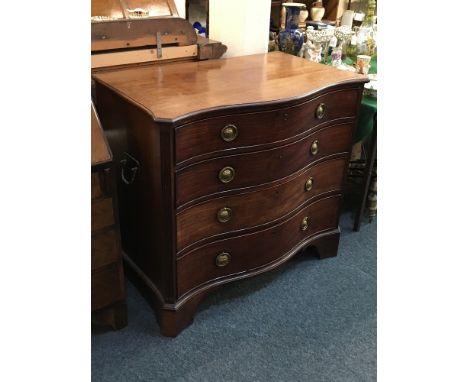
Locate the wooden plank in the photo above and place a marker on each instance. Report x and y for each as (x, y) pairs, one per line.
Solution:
(155, 8)
(107, 8)
(209, 49)
(141, 55)
(119, 8)
(117, 34)
(100, 152)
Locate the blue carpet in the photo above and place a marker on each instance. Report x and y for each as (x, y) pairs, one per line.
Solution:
(310, 320)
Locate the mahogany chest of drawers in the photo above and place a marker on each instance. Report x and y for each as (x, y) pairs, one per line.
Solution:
(229, 168)
(107, 279)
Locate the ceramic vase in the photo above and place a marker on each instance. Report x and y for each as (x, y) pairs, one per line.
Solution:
(291, 38)
(317, 11)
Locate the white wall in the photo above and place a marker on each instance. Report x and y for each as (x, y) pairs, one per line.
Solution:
(180, 5)
(241, 25)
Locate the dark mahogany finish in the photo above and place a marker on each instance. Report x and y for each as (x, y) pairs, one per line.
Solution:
(251, 169)
(251, 209)
(256, 130)
(257, 249)
(107, 279)
(169, 120)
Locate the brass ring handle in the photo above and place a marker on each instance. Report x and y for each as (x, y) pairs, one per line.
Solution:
(314, 148)
(226, 174)
(229, 133)
(224, 214)
(304, 223)
(320, 111)
(309, 183)
(223, 259)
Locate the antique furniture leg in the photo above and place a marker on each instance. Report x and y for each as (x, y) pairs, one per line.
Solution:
(327, 245)
(367, 177)
(114, 316)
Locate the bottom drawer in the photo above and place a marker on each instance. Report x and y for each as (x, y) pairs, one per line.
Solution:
(106, 286)
(242, 253)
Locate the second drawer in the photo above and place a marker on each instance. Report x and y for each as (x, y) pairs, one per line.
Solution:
(246, 210)
(239, 171)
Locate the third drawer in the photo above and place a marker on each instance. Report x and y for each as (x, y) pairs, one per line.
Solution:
(247, 210)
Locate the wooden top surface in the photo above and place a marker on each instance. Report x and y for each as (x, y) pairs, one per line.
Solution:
(173, 90)
(99, 150)
(118, 9)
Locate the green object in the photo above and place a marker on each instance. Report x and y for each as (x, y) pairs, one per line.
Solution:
(368, 105)
(366, 118)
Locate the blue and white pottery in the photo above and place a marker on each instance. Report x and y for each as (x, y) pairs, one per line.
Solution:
(291, 38)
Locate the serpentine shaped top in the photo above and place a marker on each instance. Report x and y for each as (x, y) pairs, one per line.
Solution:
(174, 90)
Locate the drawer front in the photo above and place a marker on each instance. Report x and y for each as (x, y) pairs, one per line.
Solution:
(246, 252)
(96, 190)
(102, 214)
(250, 129)
(247, 210)
(250, 169)
(106, 286)
(104, 248)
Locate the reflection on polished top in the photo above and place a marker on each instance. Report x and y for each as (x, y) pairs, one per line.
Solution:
(173, 90)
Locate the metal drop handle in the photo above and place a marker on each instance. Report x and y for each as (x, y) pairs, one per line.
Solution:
(129, 164)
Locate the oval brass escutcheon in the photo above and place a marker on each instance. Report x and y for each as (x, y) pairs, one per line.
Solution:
(223, 259)
(224, 214)
(304, 223)
(314, 148)
(226, 174)
(229, 133)
(309, 183)
(320, 111)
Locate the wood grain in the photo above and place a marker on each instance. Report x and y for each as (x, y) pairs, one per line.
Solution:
(105, 248)
(200, 180)
(254, 250)
(257, 130)
(118, 8)
(124, 34)
(257, 207)
(96, 190)
(178, 89)
(100, 152)
(108, 8)
(102, 214)
(106, 286)
(141, 55)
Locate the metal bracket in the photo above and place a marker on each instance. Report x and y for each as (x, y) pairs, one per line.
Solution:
(158, 45)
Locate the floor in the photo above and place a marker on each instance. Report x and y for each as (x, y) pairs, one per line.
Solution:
(309, 320)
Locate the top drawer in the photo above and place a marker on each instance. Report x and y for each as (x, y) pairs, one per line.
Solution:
(252, 129)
